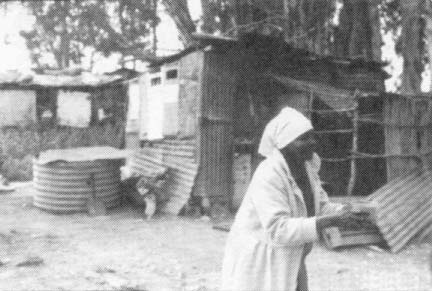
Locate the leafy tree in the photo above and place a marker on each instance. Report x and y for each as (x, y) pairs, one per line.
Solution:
(405, 19)
(65, 28)
(293, 19)
(411, 45)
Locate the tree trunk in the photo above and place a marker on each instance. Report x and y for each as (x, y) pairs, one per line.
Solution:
(179, 12)
(64, 49)
(208, 17)
(154, 26)
(428, 34)
(286, 10)
(359, 33)
(411, 46)
(375, 24)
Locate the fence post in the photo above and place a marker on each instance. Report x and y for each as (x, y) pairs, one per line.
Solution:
(353, 171)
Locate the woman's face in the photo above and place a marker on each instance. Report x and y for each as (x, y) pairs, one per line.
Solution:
(305, 145)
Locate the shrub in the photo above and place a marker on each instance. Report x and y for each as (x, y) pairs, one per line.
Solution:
(18, 146)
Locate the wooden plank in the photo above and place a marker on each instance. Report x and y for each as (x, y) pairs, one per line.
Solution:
(334, 237)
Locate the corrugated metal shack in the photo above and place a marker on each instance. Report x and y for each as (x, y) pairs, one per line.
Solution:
(52, 111)
(210, 103)
(70, 100)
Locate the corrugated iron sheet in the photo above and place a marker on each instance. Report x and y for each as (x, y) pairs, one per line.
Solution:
(64, 187)
(82, 80)
(333, 97)
(182, 172)
(180, 148)
(404, 208)
(216, 131)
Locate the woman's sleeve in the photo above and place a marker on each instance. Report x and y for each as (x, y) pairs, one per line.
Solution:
(275, 215)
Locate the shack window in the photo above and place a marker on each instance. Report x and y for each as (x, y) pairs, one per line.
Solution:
(74, 108)
(155, 81)
(46, 106)
(172, 74)
(17, 107)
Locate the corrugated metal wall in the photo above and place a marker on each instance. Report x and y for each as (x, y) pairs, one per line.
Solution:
(65, 187)
(190, 77)
(179, 157)
(216, 126)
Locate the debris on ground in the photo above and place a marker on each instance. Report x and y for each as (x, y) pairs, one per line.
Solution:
(165, 254)
(5, 238)
(4, 261)
(115, 281)
(5, 185)
(102, 270)
(223, 225)
(143, 190)
(33, 261)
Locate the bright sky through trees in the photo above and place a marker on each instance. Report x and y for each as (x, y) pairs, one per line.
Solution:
(14, 54)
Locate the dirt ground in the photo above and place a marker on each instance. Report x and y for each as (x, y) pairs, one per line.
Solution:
(121, 251)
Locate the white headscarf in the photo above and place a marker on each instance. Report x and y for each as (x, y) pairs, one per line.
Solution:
(283, 129)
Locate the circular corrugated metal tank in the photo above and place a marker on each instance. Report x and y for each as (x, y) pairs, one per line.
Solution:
(65, 187)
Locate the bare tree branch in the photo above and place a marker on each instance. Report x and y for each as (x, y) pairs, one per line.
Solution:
(179, 12)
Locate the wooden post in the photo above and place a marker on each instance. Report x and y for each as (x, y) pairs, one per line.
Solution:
(310, 105)
(286, 19)
(353, 171)
(154, 27)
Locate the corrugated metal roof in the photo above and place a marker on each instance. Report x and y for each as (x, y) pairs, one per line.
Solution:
(404, 208)
(82, 80)
(333, 97)
(181, 175)
(15, 77)
(203, 40)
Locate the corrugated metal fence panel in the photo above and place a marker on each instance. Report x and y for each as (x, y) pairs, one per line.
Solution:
(404, 208)
(178, 148)
(218, 90)
(182, 172)
(64, 187)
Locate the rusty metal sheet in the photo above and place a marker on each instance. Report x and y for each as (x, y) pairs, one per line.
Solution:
(181, 179)
(404, 208)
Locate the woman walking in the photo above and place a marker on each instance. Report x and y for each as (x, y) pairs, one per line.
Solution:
(282, 213)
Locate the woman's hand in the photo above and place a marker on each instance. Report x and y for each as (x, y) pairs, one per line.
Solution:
(343, 219)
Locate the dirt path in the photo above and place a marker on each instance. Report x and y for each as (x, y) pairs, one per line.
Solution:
(122, 251)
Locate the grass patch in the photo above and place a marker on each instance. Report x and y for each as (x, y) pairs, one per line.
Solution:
(18, 146)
